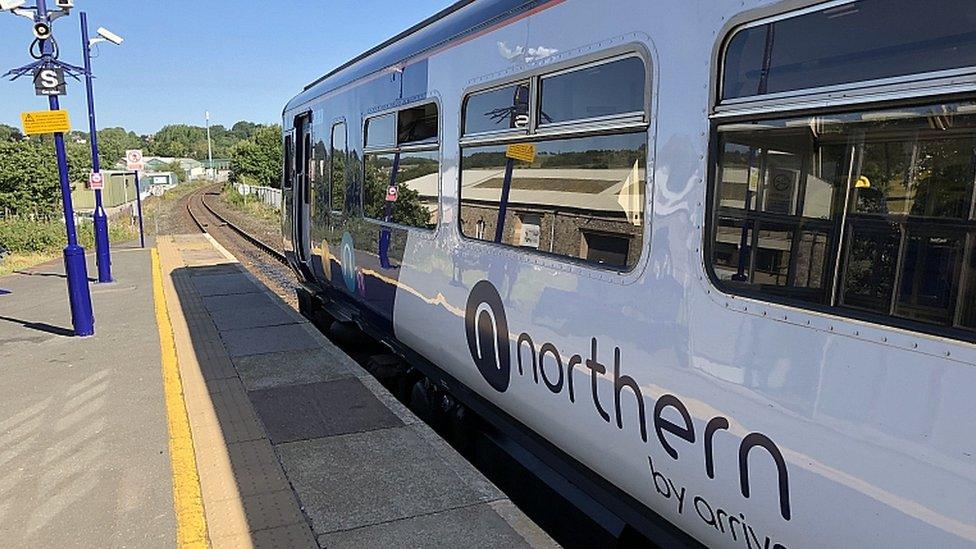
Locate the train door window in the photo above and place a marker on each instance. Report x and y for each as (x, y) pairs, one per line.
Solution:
(575, 190)
(402, 177)
(337, 167)
(289, 162)
(863, 211)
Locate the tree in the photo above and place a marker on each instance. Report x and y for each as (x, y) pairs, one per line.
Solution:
(176, 169)
(258, 160)
(408, 208)
(10, 133)
(112, 144)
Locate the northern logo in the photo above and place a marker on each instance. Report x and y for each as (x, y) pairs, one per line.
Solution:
(487, 331)
(667, 416)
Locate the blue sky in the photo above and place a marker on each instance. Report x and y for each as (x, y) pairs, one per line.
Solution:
(241, 60)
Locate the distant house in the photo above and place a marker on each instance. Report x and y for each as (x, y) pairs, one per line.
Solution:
(192, 169)
(220, 167)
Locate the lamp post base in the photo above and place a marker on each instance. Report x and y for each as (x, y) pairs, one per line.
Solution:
(82, 317)
(103, 256)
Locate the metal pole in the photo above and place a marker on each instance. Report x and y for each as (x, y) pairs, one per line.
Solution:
(103, 255)
(82, 318)
(213, 173)
(142, 233)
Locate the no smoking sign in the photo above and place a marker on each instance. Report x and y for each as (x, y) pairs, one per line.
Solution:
(95, 181)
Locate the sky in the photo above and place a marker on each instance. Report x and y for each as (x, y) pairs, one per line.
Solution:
(239, 59)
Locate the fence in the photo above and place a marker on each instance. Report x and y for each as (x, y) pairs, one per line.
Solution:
(268, 195)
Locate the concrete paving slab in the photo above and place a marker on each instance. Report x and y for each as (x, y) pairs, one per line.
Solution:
(271, 339)
(225, 284)
(201, 255)
(235, 302)
(340, 493)
(254, 469)
(294, 368)
(473, 526)
(284, 537)
(263, 511)
(302, 412)
(258, 316)
(215, 270)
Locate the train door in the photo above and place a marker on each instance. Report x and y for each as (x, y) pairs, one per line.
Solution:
(302, 190)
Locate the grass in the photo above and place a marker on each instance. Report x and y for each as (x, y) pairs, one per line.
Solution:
(18, 261)
(33, 242)
(252, 207)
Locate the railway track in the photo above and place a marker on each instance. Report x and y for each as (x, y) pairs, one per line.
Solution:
(264, 260)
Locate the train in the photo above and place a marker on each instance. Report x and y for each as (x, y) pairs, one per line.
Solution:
(711, 263)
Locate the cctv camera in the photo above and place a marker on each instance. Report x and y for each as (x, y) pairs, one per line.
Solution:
(6, 5)
(110, 36)
(42, 31)
(65, 4)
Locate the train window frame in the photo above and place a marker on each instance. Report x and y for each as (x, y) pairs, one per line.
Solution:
(409, 147)
(887, 95)
(626, 123)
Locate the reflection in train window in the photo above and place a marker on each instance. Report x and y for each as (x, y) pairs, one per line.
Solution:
(289, 171)
(402, 179)
(338, 167)
(381, 131)
(856, 41)
(606, 89)
(411, 198)
(497, 110)
(417, 125)
(871, 211)
(581, 197)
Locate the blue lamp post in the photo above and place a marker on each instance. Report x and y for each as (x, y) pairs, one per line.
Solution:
(102, 254)
(82, 318)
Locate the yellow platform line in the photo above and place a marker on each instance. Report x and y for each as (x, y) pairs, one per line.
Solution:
(191, 521)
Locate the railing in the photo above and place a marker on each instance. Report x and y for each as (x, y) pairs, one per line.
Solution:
(267, 195)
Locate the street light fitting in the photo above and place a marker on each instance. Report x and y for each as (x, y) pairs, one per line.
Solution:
(110, 36)
(10, 5)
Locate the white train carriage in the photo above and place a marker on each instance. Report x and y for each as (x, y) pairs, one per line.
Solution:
(712, 261)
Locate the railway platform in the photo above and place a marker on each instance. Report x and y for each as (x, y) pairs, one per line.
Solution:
(208, 412)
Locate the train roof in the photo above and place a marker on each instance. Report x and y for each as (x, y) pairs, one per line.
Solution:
(454, 22)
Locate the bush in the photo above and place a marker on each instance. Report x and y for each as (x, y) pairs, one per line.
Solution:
(26, 236)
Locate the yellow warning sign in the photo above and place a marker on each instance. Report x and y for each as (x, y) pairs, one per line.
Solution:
(42, 122)
(521, 151)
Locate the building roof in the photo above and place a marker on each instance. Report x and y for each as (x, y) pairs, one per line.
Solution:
(615, 191)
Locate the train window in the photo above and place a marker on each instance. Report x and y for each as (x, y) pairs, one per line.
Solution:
(337, 171)
(866, 211)
(417, 125)
(289, 162)
(402, 181)
(497, 110)
(381, 131)
(853, 42)
(581, 198)
(601, 90)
